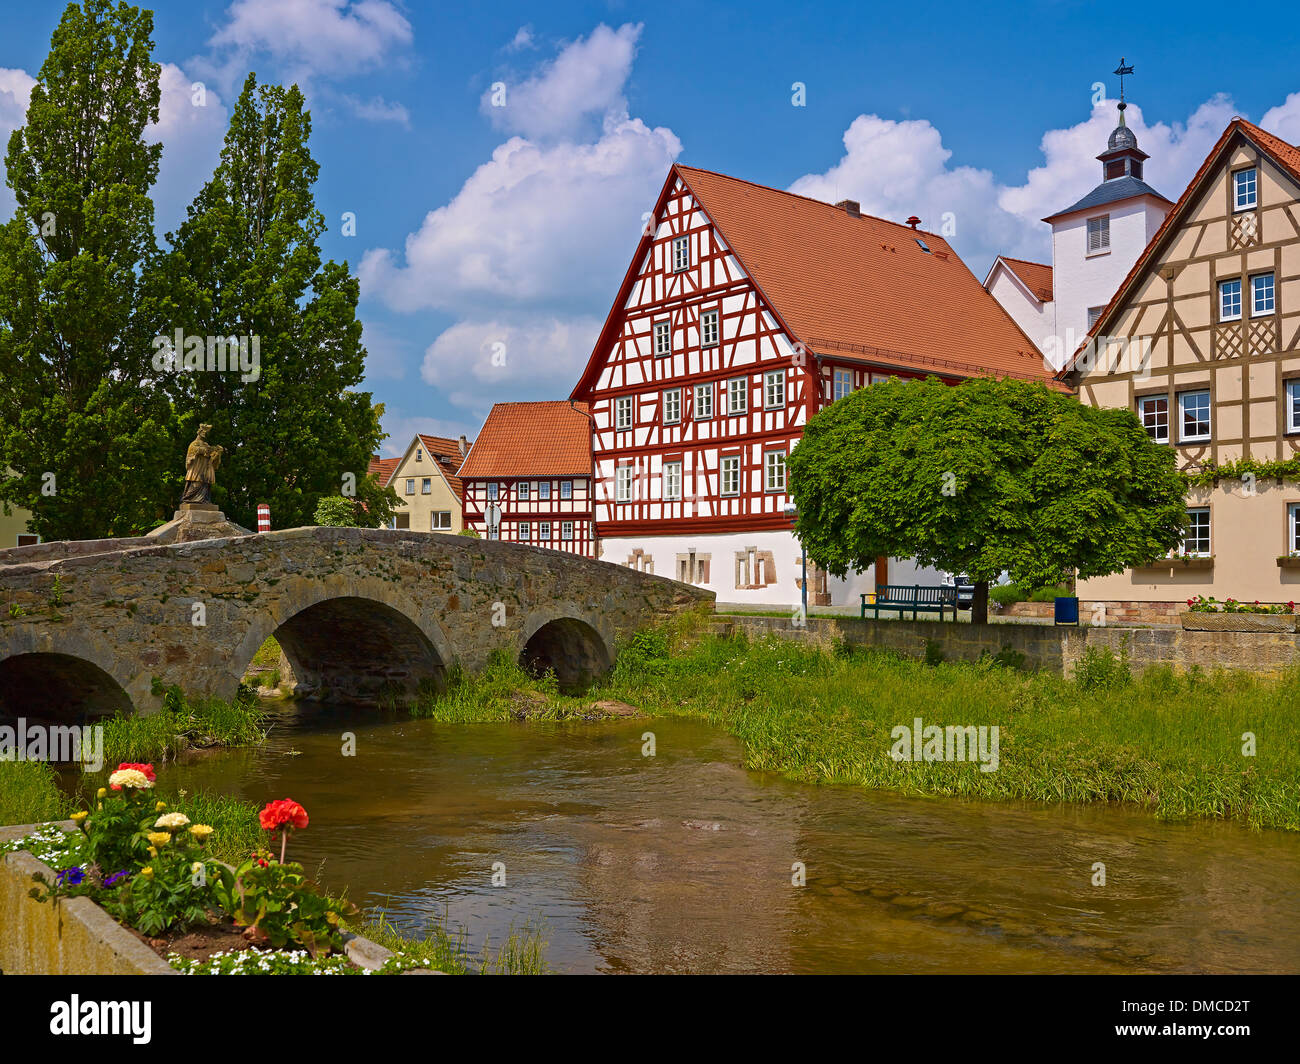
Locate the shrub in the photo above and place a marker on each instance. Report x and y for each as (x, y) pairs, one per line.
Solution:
(1099, 669)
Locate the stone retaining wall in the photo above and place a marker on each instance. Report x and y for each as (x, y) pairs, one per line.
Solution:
(1043, 646)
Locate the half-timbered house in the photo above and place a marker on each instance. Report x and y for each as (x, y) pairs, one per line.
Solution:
(1202, 342)
(746, 310)
(530, 469)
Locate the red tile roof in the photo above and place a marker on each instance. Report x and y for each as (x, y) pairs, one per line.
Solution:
(550, 438)
(446, 452)
(1036, 276)
(383, 468)
(856, 287)
(1287, 156)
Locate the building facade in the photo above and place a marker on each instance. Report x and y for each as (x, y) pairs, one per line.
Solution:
(745, 311)
(1202, 342)
(530, 469)
(1095, 242)
(428, 490)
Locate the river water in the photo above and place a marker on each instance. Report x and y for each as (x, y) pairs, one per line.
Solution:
(683, 862)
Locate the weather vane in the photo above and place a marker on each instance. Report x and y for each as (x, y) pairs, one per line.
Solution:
(1121, 70)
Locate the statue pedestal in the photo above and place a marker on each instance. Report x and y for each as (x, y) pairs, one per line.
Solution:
(197, 520)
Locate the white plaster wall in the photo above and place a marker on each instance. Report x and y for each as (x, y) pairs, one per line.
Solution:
(722, 550)
(1037, 320)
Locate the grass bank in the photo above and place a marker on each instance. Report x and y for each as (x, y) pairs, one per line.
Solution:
(30, 794)
(1170, 743)
(183, 723)
(522, 953)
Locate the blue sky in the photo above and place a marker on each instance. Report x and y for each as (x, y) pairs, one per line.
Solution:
(488, 230)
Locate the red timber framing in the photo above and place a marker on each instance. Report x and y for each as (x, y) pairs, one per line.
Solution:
(554, 512)
(698, 385)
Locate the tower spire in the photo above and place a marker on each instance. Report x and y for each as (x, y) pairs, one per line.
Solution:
(1121, 70)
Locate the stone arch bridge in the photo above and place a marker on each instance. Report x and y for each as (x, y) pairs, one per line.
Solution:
(359, 613)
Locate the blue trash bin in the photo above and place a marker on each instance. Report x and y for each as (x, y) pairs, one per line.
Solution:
(1067, 609)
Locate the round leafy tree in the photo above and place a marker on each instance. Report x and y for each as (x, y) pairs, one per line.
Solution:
(985, 477)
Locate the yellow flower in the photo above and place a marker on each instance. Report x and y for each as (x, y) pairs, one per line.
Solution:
(78, 817)
(160, 807)
(153, 852)
(200, 832)
(102, 792)
(147, 872)
(159, 838)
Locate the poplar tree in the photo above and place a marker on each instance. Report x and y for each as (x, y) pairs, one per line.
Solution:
(83, 433)
(246, 264)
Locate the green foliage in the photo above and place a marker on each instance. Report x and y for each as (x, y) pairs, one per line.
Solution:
(1009, 594)
(1210, 474)
(1101, 669)
(1201, 604)
(985, 477)
(471, 533)
(280, 905)
(172, 892)
(645, 654)
(29, 793)
(371, 507)
(336, 511)
(79, 400)
(522, 953)
(182, 723)
(246, 262)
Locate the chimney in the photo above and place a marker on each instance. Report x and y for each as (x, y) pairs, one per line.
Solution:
(914, 221)
(464, 447)
(851, 207)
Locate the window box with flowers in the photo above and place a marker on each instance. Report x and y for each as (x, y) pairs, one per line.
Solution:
(1289, 561)
(1180, 561)
(1210, 615)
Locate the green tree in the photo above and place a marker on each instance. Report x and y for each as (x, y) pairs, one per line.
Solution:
(82, 431)
(245, 264)
(371, 507)
(985, 477)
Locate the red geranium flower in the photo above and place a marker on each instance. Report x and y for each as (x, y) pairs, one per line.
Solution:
(146, 769)
(282, 813)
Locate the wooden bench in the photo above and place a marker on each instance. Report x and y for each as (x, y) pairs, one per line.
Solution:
(915, 597)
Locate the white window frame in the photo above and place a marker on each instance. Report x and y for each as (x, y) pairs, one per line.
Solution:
(663, 334)
(566, 530)
(672, 477)
(524, 490)
(435, 525)
(1097, 235)
(566, 489)
(774, 389)
(623, 413)
(706, 390)
(1230, 285)
(623, 483)
(841, 383)
(543, 491)
(681, 253)
(1291, 397)
(1142, 402)
(1183, 397)
(1209, 543)
(672, 400)
(543, 531)
(774, 471)
(729, 470)
(734, 392)
(1267, 283)
(492, 492)
(525, 531)
(426, 485)
(1245, 189)
(709, 328)
(410, 485)
(1293, 528)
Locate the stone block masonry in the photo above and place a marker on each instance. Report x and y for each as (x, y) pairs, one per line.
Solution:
(1043, 646)
(360, 614)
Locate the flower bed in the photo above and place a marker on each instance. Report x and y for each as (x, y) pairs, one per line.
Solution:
(1186, 561)
(1210, 615)
(146, 866)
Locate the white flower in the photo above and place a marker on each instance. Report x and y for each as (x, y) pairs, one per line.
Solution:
(172, 821)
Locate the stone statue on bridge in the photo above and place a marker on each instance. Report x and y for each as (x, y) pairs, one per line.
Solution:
(201, 463)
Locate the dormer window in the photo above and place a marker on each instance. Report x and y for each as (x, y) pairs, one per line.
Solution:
(1098, 234)
(1245, 185)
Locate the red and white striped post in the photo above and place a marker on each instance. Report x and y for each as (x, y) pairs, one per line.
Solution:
(263, 517)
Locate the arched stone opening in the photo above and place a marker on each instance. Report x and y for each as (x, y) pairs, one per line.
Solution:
(56, 686)
(572, 649)
(359, 651)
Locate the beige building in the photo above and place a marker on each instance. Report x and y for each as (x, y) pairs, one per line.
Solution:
(13, 528)
(1202, 342)
(424, 477)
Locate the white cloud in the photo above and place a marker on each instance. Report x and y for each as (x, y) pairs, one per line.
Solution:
(15, 95)
(377, 109)
(1284, 120)
(402, 426)
(191, 126)
(571, 94)
(323, 37)
(522, 41)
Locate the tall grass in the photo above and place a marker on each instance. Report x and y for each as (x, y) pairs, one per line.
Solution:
(522, 953)
(29, 793)
(183, 723)
(1173, 743)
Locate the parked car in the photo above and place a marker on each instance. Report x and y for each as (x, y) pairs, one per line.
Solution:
(965, 589)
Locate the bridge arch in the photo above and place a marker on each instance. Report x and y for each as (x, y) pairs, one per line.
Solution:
(364, 642)
(68, 677)
(569, 642)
